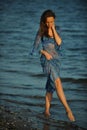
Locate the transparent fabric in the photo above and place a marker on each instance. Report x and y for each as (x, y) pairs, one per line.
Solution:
(50, 67)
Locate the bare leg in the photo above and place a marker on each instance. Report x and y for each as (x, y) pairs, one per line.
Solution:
(62, 98)
(48, 99)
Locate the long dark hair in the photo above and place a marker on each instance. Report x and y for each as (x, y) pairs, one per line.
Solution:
(43, 28)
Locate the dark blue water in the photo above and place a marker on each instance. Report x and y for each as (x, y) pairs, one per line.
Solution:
(22, 82)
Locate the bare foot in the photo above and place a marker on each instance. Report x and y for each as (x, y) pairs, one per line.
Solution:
(70, 116)
(46, 114)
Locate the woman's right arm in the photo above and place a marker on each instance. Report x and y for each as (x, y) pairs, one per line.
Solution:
(47, 55)
(36, 44)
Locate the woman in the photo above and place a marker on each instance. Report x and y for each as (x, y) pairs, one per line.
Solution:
(51, 42)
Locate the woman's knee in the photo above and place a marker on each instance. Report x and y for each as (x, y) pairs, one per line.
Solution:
(57, 82)
(49, 96)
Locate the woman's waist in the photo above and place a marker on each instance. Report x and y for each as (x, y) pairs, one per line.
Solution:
(53, 53)
(48, 44)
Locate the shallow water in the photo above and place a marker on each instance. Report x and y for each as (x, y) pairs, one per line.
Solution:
(22, 82)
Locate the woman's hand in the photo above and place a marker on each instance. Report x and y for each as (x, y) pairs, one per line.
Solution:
(47, 55)
(56, 35)
(53, 27)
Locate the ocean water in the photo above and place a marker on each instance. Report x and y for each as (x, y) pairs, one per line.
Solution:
(22, 83)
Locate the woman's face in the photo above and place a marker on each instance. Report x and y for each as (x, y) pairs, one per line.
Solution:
(49, 22)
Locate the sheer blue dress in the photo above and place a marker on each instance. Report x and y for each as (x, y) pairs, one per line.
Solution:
(50, 67)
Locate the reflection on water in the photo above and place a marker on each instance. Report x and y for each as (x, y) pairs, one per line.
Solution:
(22, 82)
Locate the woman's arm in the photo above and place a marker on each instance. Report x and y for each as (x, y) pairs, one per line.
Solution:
(47, 55)
(36, 44)
(56, 36)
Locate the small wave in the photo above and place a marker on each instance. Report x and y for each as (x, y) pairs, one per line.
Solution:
(23, 96)
(8, 31)
(37, 75)
(23, 103)
(15, 71)
(78, 81)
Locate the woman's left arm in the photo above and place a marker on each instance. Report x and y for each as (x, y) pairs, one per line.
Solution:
(56, 36)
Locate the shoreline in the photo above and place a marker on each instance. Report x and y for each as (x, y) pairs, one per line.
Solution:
(16, 119)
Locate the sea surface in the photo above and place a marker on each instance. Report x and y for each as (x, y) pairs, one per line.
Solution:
(22, 82)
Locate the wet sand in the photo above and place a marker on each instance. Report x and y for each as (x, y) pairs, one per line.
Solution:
(12, 120)
(16, 119)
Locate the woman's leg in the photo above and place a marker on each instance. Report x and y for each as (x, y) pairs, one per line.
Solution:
(48, 99)
(60, 93)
